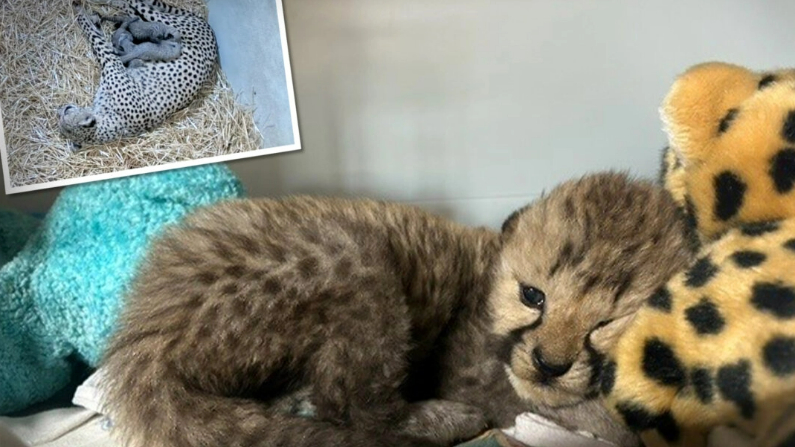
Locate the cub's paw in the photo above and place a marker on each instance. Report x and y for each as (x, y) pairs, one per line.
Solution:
(444, 422)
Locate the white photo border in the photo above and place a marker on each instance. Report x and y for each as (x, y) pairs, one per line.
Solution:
(296, 145)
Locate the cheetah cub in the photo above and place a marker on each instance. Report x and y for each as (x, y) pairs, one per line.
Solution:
(326, 322)
(156, 41)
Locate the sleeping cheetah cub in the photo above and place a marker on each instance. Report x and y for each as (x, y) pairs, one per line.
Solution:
(156, 41)
(328, 322)
(141, 30)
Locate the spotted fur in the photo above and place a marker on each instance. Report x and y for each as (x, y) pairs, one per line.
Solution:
(716, 345)
(325, 322)
(130, 101)
(722, 348)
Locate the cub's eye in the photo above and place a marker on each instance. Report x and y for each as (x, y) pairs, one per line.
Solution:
(532, 297)
(602, 324)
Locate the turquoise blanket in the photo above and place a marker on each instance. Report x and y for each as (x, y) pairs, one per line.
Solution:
(62, 278)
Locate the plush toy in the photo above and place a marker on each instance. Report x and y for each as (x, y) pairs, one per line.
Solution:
(60, 293)
(716, 345)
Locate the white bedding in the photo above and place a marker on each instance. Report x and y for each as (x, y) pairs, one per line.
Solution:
(62, 427)
(85, 426)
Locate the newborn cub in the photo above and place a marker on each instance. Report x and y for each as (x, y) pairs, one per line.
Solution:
(328, 322)
(574, 269)
(156, 41)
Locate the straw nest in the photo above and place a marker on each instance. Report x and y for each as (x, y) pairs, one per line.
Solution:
(46, 62)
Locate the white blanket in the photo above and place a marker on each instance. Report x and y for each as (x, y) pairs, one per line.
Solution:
(63, 427)
(86, 426)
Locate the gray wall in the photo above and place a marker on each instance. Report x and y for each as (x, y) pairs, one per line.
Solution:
(473, 107)
(250, 49)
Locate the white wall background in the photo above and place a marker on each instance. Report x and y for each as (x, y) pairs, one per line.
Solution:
(472, 107)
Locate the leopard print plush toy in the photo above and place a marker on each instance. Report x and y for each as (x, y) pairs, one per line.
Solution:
(716, 345)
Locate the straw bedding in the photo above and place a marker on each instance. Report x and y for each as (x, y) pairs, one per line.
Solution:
(46, 62)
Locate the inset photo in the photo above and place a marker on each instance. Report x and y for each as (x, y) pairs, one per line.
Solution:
(97, 89)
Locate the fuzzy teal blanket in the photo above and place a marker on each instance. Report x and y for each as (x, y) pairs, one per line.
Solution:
(62, 278)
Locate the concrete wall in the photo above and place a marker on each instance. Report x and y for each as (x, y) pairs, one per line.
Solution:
(472, 107)
(250, 50)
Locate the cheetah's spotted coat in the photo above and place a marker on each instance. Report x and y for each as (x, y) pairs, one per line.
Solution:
(130, 101)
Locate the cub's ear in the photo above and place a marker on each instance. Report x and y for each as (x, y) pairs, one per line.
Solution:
(88, 122)
(510, 223)
(701, 105)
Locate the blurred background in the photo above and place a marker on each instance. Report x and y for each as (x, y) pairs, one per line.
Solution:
(472, 107)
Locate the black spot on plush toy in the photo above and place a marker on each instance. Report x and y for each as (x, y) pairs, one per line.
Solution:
(716, 345)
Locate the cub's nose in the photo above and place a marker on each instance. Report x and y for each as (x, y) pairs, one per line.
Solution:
(547, 369)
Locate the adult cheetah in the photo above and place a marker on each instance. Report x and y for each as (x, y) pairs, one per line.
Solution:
(130, 101)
